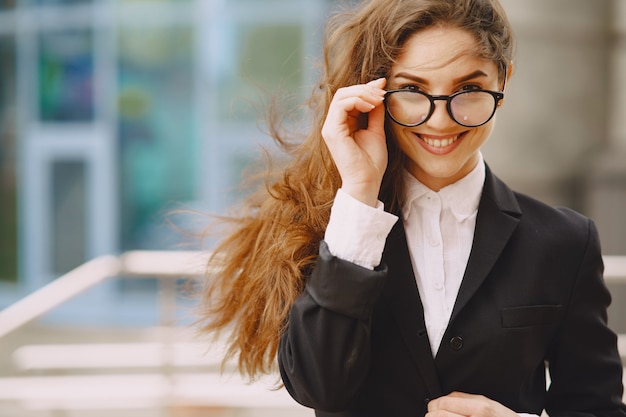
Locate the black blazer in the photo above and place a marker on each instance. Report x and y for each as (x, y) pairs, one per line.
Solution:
(532, 294)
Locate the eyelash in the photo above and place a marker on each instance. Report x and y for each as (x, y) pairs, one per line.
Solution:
(469, 87)
(466, 87)
(410, 87)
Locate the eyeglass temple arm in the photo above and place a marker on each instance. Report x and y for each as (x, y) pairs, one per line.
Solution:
(506, 72)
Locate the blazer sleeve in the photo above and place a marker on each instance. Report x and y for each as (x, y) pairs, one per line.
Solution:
(324, 352)
(584, 364)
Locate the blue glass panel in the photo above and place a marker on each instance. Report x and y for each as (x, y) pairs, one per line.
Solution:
(262, 60)
(58, 2)
(68, 237)
(7, 4)
(66, 76)
(8, 191)
(157, 147)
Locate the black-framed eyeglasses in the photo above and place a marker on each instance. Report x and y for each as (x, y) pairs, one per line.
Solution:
(470, 108)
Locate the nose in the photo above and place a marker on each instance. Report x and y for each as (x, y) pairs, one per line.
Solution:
(440, 118)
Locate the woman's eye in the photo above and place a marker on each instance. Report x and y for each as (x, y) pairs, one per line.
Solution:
(410, 87)
(470, 87)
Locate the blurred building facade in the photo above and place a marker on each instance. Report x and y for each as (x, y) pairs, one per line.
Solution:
(113, 112)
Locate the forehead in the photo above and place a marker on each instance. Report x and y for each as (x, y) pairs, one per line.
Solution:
(440, 50)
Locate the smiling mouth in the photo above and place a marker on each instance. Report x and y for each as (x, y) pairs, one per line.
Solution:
(440, 142)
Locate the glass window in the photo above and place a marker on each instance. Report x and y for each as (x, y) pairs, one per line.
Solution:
(148, 2)
(66, 76)
(8, 191)
(157, 146)
(7, 4)
(265, 59)
(58, 2)
(68, 237)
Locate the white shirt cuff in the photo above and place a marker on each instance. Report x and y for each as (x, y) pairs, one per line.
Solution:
(357, 232)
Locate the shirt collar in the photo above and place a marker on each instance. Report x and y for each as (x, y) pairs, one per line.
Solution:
(461, 198)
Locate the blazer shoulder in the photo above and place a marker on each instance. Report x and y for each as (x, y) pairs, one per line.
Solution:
(534, 213)
(565, 216)
(557, 225)
(546, 225)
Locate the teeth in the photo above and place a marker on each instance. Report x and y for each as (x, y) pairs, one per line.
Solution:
(440, 143)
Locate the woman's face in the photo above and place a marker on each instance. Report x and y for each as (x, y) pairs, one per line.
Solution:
(442, 61)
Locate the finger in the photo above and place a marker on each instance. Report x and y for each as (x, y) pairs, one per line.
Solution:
(455, 403)
(376, 121)
(343, 107)
(378, 83)
(361, 105)
(458, 394)
(469, 405)
(442, 413)
(343, 117)
(371, 92)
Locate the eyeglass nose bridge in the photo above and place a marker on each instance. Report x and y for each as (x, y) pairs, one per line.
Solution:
(444, 98)
(447, 99)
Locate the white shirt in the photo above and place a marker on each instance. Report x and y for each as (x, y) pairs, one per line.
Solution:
(439, 228)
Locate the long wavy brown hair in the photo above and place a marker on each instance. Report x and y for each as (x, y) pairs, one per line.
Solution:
(272, 244)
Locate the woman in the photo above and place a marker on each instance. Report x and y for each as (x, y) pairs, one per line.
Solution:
(388, 269)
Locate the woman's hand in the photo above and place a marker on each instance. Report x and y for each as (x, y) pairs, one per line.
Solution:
(359, 153)
(461, 404)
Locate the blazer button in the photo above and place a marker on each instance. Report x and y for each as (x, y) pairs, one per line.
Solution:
(456, 343)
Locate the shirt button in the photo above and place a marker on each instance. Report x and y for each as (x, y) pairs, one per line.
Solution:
(434, 242)
(438, 285)
(456, 343)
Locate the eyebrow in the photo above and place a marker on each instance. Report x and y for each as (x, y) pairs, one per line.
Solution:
(470, 76)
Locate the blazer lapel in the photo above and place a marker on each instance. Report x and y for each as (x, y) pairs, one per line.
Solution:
(402, 297)
(498, 216)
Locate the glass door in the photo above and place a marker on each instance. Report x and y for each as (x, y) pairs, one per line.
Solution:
(65, 73)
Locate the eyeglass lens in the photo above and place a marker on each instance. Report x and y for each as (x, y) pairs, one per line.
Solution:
(413, 107)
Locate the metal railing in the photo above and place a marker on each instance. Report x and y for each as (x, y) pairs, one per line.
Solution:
(159, 264)
(164, 265)
(172, 369)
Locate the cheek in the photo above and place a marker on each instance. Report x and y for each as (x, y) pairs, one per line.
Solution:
(483, 133)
